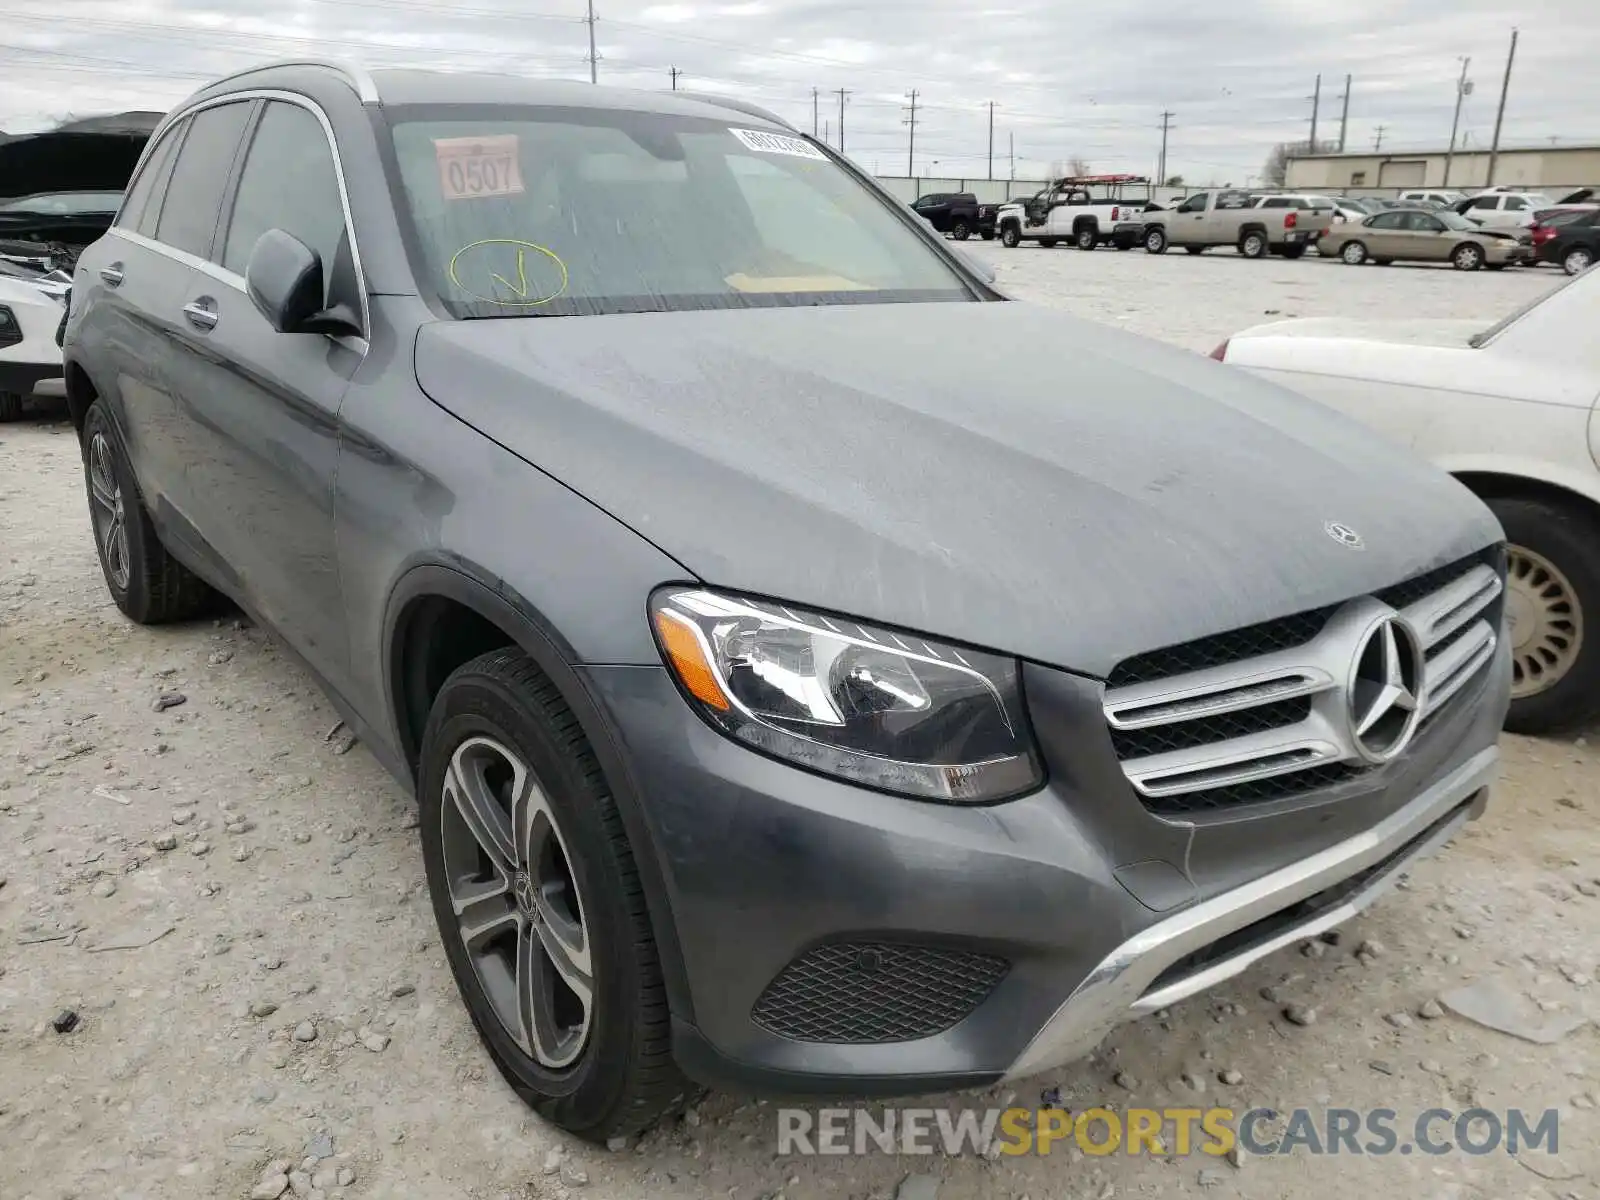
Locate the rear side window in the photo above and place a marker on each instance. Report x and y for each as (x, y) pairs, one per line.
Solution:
(289, 148)
(200, 176)
(143, 200)
(1485, 201)
(1388, 220)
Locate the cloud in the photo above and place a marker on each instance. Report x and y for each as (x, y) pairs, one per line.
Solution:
(1088, 80)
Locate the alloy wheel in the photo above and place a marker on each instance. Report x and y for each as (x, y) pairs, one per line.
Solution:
(1577, 261)
(517, 904)
(108, 512)
(1546, 622)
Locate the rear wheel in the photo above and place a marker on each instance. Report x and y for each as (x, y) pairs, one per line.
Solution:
(1578, 260)
(961, 231)
(1354, 253)
(1155, 241)
(1253, 244)
(1087, 238)
(147, 583)
(539, 903)
(1552, 597)
(1467, 257)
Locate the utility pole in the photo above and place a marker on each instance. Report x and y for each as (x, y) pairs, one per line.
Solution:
(594, 61)
(842, 95)
(1316, 103)
(816, 110)
(991, 139)
(1377, 142)
(675, 74)
(827, 133)
(911, 121)
(1462, 88)
(1161, 166)
(1011, 139)
(1344, 117)
(1500, 113)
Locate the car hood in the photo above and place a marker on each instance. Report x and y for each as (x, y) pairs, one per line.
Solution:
(1449, 334)
(997, 474)
(75, 160)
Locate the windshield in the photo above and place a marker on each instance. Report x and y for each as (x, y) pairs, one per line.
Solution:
(64, 204)
(554, 212)
(1454, 220)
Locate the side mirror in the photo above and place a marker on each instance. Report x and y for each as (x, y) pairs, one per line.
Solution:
(285, 280)
(980, 267)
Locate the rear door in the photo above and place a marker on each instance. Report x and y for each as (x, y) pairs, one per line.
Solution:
(262, 407)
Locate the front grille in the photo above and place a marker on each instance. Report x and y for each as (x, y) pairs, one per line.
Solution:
(873, 992)
(1261, 714)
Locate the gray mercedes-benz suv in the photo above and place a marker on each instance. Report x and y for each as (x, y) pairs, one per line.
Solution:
(810, 676)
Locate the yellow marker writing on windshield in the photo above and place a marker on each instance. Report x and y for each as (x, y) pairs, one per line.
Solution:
(460, 263)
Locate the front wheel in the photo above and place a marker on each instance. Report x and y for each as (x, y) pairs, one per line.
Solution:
(1578, 260)
(1353, 253)
(1552, 592)
(1086, 239)
(539, 903)
(961, 231)
(1155, 241)
(1467, 257)
(1011, 237)
(1253, 244)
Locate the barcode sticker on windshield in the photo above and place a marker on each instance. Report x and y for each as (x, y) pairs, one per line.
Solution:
(472, 167)
(777, 143)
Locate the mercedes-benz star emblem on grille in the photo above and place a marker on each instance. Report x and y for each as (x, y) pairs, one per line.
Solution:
(1344, 535)
(1385, 689)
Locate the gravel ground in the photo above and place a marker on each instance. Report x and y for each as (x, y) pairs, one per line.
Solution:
(230, 899)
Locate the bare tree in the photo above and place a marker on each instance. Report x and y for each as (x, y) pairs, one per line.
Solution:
(1276, 169)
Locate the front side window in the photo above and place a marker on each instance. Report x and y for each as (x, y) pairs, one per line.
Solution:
(200, 176)
(1515, 204)
(288, 182)
(1195, 203)
(549, 212)
(1486, 202)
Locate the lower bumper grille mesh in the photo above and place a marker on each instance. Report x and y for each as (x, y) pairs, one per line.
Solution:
(868, 992)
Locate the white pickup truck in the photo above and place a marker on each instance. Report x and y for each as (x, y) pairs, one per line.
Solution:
(1230, 217)
(1086, 210)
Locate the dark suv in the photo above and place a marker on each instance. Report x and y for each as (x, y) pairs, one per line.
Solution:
(795, 692)
(955, 213)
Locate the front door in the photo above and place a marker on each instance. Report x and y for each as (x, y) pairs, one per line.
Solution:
(263, 406)
(1187, 224)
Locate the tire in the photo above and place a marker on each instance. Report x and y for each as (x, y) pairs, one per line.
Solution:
(1253, 244)
(1467, 257)
(1155, 240)
(987, 235)
(1011, 237)
(1552, 606)
(612, 1073)
(1293, 252)
(146, 583)
(1353, 253)
(1048, 243)
(1194, 249)
(1087, 238)
(10, 406)
(1578, 260)
(961, 231)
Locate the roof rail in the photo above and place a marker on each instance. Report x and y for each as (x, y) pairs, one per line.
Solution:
(357, 76)
(748, 109)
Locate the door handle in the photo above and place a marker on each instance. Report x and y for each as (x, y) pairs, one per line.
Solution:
(112, 275)
(200, 314)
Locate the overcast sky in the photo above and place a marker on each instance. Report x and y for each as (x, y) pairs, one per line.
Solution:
(1087, 79)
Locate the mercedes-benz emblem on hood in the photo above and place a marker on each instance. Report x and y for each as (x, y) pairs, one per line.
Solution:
(1344, 535)
(1385, 689)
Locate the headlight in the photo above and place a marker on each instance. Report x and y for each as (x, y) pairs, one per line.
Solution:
(881, 709)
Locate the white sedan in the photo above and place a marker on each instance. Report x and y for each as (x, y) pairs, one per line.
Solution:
(1510, 411)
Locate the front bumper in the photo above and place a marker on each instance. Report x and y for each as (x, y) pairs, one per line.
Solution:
(1100, 909)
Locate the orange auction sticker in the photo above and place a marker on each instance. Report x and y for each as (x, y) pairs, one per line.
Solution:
(472, 167)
